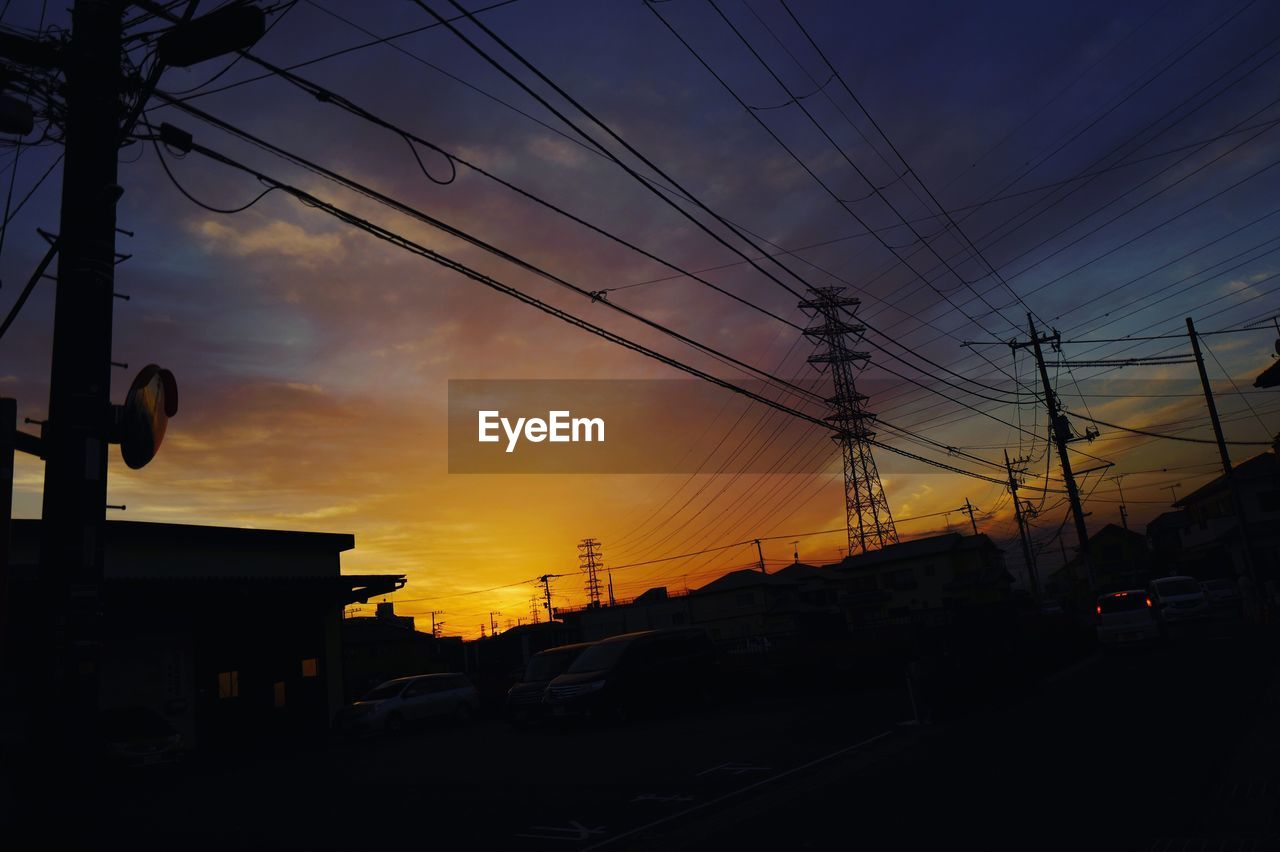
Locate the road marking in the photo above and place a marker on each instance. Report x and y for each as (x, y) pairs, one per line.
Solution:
(734, 769)
(675, 816)
(575, 831)
(663, 797)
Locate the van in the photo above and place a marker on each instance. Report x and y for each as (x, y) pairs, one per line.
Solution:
(1176, 599)
(634, 673)
(524, 699)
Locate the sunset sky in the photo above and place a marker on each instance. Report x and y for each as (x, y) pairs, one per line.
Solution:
(313, 359)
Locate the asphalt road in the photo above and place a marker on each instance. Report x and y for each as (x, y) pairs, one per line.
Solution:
(487, 784)
(1148, 749)
(1171, 747)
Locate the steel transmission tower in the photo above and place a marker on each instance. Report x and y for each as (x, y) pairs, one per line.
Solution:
(589, 556)
(867, 515)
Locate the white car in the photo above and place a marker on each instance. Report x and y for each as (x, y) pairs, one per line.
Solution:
(1222, 592)
(1125, 617)
(404, 701)
(1178, 599)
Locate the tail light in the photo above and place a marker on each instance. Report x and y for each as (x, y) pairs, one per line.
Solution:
(1099, 609)
(1148, 603)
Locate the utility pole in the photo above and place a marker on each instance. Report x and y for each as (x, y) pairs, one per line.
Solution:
(81, 421)
(760, 553)
(1022, 528)
(968, 509)
(589, 556)
(8, 428)
(1124, 511)
(1228, 471)
(493, 622)
(611, 602)
(75, 434)
(545, 580)
(796, 551)
(435, 626)
(1061, 431)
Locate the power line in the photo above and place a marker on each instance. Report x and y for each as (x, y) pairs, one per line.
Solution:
(1167, 436)
(415, 213)
(413, 247)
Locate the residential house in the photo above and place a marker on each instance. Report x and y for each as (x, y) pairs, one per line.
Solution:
(655, 609)
(936, 573)
(1212, 537)
(1121, 560)
(752, 609)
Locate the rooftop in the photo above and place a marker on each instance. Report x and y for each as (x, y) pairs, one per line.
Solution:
(1261, 466)
(914, 549)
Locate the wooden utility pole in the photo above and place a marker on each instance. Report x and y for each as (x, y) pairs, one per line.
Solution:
(1022, 529)
(968, 510)
(545, 580)
(1228, 471)
(1061, 431)
(8, 428)
(1124, 510)
(760, 554)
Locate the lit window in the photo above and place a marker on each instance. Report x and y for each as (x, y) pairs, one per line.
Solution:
(228, 684)
(310, 668)
(279, 690)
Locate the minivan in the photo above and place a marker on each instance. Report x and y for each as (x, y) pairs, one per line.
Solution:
(1125, 617)
(1177, 599)
(524, 699)
(626, 675)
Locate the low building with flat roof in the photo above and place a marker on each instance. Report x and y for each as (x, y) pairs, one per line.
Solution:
(230, 634)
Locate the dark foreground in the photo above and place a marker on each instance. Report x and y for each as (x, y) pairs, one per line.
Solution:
(1175, 747)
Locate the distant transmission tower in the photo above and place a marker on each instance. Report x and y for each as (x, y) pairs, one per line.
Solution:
(590, 558)
(535, 609)
(867, 515)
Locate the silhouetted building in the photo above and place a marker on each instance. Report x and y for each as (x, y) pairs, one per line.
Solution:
(1121, 560)
(1164, 541)
(753, 610)
(383, 646)
(655, 609)
(1211, 534)
(231, 634)
(936, 573)
(495, 662)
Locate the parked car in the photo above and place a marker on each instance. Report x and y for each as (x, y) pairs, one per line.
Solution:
(1177, 599)
(1125, 617)
(1222, 592)
(637, 672)
(524, 699)
(137, 736)
(408, 700)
